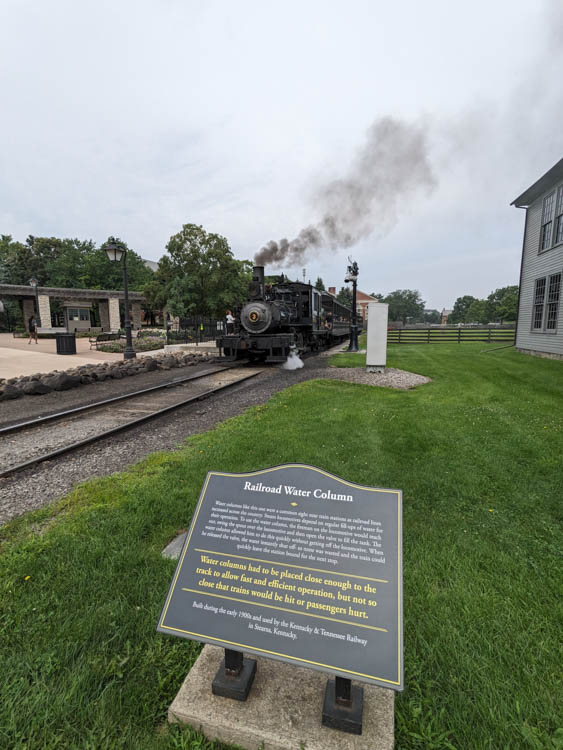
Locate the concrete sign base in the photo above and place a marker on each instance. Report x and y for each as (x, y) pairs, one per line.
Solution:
(283, 710)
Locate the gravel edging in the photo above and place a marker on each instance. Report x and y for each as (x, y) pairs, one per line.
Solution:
(390, 378)
(37, 486)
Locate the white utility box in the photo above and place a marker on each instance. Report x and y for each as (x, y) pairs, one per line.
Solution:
(376, 357)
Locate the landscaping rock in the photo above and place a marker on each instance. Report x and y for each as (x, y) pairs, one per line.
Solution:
(150, 365)
(62, 382)
(9, 391)
(36, 388)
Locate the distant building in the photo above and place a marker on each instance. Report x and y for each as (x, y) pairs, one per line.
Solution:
(362, 301)
(445, 314)
(539, 328)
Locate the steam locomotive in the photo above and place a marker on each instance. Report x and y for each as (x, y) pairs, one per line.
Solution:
(281, 316)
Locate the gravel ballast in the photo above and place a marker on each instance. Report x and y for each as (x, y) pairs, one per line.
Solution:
(33, 488)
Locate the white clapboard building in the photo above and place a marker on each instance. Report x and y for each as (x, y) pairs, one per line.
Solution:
(540, 313)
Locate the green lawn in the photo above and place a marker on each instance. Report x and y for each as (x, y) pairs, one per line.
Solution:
(478, 453)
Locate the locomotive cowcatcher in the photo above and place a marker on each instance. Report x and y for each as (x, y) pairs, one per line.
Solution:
(283, 316)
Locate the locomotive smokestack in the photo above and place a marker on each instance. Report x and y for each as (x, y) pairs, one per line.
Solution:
(257, 283)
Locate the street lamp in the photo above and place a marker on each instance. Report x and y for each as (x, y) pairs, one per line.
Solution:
(115, 252)
(352, 275)
(34, 283)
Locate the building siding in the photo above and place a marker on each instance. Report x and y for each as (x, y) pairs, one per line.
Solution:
(535, 266)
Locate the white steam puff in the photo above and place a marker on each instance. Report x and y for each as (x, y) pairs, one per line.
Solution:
(293, 361)
(392, 164)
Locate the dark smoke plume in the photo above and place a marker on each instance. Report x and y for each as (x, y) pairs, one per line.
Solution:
(392, 164)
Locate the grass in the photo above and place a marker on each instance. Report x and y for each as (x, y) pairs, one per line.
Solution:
(477, 453)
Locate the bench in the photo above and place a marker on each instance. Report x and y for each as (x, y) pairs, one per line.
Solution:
(103, 338)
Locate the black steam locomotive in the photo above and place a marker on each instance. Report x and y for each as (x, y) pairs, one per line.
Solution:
(284, 315)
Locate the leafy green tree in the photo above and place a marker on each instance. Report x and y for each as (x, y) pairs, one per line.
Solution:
(319, 284)
(432, 316)
(206, 278)
(67, 263)
(461, 306)
(502, 303)
(477, 312)
(378, 297)
(405, 303)
(157, 290)
(18, 262)
(106, 274)
(344, 296)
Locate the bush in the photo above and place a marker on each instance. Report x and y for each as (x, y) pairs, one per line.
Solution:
(151, 332)
(143, 344)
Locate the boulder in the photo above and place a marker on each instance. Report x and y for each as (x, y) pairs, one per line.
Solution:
(36, 388)
(62, 382)
(9, 391)
(149, 364)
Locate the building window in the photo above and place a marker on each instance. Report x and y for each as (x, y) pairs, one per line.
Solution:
(539, 298)
(546, 221)
(558, 236)
(546, 303)
(78, 313)
(552, 306)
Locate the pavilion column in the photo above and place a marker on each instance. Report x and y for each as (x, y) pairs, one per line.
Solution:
(136, 315)
(28, 311)
(114, 318)
(44, 310)
(103, 307)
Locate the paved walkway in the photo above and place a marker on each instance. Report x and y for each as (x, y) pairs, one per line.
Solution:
(17, 357)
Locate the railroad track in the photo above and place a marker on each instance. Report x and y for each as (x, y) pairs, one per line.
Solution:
(45, 438)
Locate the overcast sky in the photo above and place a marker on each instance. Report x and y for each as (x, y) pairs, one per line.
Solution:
(132, 118)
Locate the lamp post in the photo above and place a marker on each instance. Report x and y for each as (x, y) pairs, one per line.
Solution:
(115, 252)
(352, 275)
(34, 283)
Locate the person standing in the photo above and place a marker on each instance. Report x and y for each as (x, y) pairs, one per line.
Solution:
(32, 324)
(230, 323)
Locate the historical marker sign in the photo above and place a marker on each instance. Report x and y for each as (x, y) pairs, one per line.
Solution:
(294, 563)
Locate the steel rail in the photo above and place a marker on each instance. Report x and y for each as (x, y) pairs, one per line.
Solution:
(121, 428)
(10, 429)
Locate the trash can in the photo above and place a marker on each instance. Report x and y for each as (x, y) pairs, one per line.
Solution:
(66, 343)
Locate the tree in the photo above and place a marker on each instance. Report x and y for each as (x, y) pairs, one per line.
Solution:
(461, 306)
(432, 316)
(477, 312)
(344, 296)
(502, 303)
(405, 303)
(378, 297)
(206, 279)
(319, 284)
(69, 263)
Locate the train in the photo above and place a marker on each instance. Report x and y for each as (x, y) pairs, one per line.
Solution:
(284, 317)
